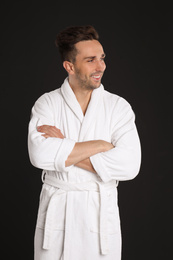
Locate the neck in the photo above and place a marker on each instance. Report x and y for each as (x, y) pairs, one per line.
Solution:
(83, 96)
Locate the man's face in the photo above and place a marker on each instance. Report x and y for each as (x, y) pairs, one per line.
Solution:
(89, 65)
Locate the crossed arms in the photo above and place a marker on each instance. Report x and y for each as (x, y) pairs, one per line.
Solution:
(82, 151)
(119, 160)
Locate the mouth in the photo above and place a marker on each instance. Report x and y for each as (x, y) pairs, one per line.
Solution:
(96, 78)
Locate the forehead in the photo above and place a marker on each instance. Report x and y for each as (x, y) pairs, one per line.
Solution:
(89, 48)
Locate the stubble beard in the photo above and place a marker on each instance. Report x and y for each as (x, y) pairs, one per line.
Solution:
(85, 82)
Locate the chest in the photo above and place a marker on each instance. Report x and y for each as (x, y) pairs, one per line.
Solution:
(95, 125)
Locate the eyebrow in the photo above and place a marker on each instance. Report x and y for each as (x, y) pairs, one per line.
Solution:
(93, 57)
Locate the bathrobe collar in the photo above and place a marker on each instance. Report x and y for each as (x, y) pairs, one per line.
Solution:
(92, 110)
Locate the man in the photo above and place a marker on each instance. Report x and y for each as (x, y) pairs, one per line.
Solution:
(85, 140)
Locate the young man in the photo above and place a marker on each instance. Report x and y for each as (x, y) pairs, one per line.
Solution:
(85, 140)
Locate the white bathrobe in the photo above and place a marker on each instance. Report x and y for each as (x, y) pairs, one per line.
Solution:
(78, 217)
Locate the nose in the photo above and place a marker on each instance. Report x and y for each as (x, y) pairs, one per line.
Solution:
(100, 65)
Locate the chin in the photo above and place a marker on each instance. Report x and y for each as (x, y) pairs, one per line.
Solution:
(94, 86)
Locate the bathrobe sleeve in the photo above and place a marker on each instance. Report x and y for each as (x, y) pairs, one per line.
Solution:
(47, 153)
(122, 162)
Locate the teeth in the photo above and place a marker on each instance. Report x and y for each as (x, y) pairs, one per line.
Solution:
(96, 77)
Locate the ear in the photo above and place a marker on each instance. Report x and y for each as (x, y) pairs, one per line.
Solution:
(68, 66)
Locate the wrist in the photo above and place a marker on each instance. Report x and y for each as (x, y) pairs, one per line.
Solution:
(105, 146)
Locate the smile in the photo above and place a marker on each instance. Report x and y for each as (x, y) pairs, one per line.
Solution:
(96, 77)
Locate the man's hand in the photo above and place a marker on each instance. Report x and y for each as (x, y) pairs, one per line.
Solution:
(50, 131)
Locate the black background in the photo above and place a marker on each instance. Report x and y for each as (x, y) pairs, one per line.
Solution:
(137, 39)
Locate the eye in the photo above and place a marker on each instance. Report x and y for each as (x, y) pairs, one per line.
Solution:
(91, 60)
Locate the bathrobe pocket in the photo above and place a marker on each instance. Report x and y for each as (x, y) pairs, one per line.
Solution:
(113, 221)
(50, 200)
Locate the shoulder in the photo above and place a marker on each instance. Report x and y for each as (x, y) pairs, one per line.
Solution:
(115, 101)
(120, 109)
(49, 98)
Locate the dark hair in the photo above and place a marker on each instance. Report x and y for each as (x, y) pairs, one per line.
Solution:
(66, 40)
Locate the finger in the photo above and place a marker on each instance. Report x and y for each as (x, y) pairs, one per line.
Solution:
(39, 128)
(44, 128)
(48, 135)
(51, 131)
(48, 131)
(54, 132)
(45, 135)
(60, 133)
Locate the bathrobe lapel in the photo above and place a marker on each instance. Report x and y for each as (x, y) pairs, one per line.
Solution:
(71, 100)
(92, 110)
(91, 113)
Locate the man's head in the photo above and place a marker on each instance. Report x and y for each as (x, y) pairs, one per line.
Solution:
(82, 55)
(66, 40)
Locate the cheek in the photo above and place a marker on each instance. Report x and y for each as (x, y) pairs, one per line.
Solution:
(83, 70)
(104, 67)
